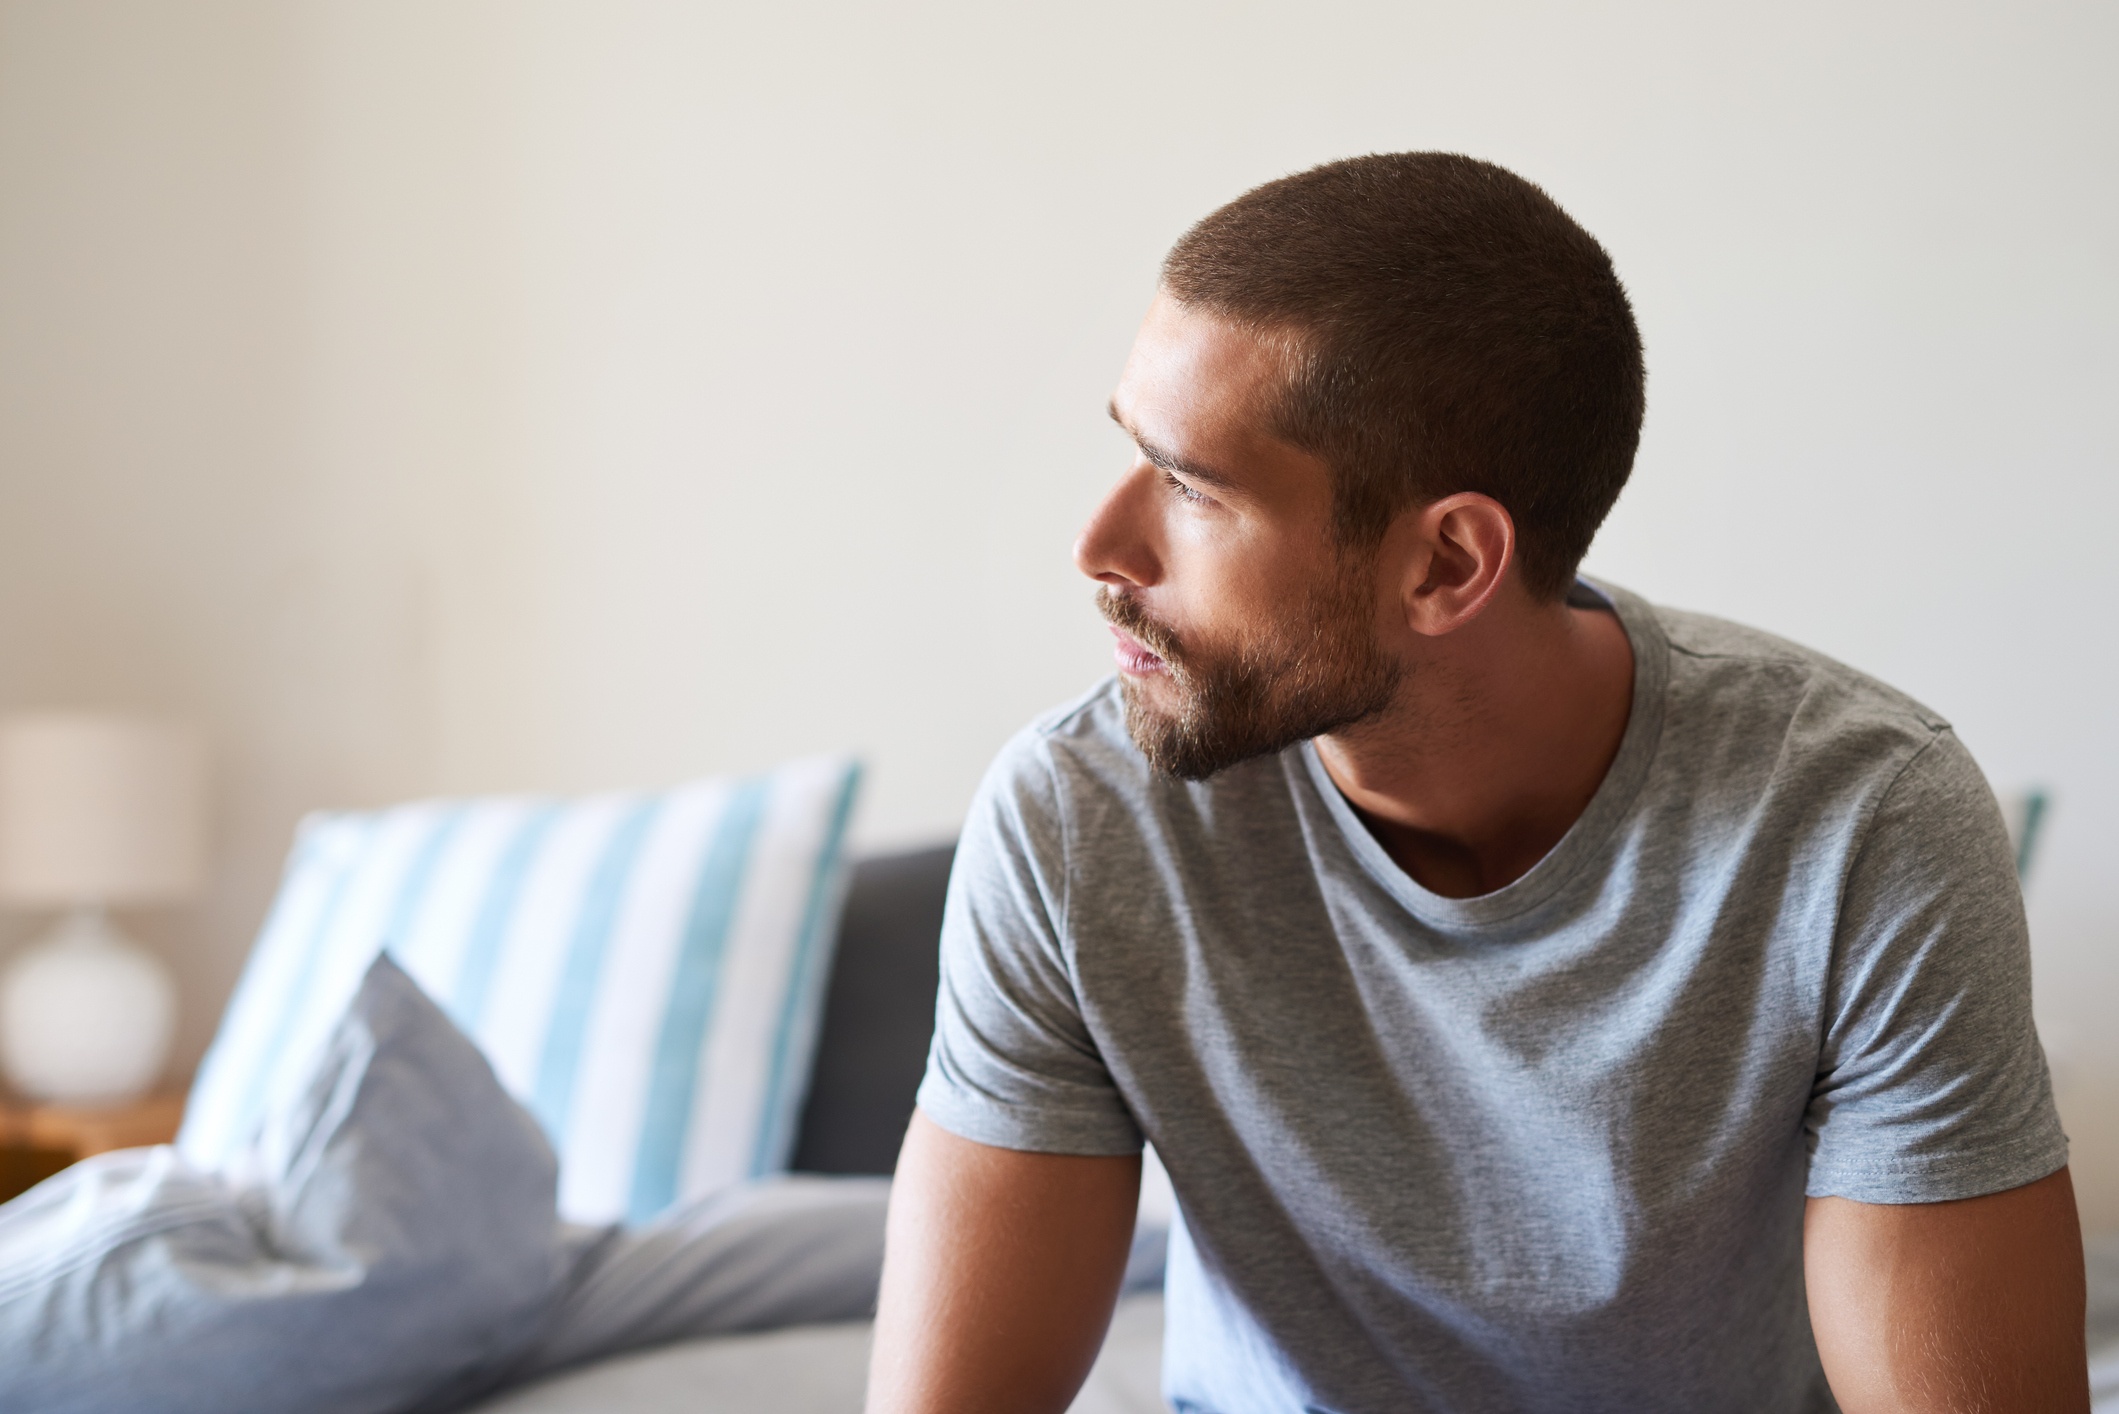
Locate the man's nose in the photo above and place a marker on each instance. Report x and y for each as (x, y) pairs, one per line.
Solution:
(1117, 545)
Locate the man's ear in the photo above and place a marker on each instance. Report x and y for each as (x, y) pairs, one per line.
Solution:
(1462, 547)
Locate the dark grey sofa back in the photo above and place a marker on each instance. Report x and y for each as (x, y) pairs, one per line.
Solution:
(878, 1015)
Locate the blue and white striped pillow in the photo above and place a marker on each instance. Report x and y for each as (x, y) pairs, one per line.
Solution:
(644, 971)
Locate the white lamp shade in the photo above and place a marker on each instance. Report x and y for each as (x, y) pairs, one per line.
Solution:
(99, 808)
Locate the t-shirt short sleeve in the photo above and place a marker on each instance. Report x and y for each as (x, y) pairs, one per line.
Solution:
(1013, 1063)
(1931, 1084)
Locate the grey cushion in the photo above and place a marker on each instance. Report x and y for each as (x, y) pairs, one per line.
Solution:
(388, 1240)
(878, 1015)
(780, 1252)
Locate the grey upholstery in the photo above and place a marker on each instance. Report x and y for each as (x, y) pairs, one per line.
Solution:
(878, 1015)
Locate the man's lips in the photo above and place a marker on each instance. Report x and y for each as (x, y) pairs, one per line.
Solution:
(1134, 660)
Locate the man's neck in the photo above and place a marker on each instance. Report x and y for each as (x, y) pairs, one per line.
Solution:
(1498, 740)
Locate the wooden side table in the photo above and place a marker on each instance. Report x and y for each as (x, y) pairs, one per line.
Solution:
(36, 1141)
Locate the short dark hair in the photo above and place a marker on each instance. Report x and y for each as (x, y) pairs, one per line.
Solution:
(1454, 330)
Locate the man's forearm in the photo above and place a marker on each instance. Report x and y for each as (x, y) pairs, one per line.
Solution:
(999, 1274)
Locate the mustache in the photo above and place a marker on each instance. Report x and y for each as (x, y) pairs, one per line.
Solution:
(1126, 613)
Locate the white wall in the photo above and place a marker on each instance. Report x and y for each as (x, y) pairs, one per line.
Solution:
(446, 396)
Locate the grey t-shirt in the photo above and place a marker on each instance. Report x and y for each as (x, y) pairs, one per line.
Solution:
(1545, 1148)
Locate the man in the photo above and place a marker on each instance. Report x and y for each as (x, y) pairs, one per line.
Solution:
(1540, 1000)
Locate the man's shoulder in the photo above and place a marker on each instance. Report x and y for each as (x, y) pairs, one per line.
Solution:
(1096, 717)
(1723, 667)
(1075, 770)
(1085, 732)
(1080, 743)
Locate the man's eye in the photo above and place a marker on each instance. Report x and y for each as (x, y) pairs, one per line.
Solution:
(1184, 492)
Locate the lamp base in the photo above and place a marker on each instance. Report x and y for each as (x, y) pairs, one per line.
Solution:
(85, 1015)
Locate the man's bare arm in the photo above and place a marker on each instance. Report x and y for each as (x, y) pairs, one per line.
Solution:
(1973, 1307)
(1000, 1270)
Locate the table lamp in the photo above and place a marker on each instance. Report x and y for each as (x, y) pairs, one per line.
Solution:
(96, 810)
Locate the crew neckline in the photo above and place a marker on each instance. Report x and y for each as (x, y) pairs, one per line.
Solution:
(1614, 796)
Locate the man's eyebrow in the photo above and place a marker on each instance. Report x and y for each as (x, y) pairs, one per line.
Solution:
(1170, 461)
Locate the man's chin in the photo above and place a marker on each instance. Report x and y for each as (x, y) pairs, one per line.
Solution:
(1169, 737)
(1155, 724)
(1190, 740)
(1151, 714)
(1156, 692)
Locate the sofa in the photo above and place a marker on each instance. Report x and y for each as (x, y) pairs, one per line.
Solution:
(368, 1213)
(871, 1053)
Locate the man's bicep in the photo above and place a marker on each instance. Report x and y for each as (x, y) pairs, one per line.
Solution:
(1973, 1305)
(1000, 1271)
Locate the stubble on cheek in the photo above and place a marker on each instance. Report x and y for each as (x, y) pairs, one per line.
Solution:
(1287, 682)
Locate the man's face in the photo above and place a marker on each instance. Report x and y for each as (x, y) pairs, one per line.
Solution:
(1242, 625)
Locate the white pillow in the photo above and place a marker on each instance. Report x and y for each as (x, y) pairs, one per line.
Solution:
(644, 971)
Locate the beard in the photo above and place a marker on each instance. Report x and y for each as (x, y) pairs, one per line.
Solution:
(1316, 671)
